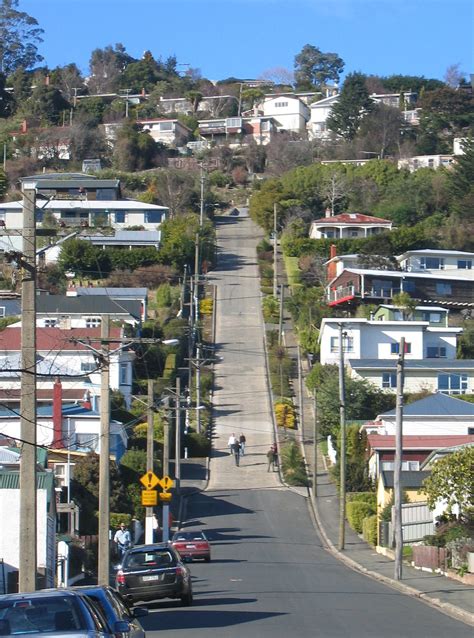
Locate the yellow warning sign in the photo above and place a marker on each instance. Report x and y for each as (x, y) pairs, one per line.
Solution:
(166, 483)
(165, 496)
(149, 498)
(149, 480)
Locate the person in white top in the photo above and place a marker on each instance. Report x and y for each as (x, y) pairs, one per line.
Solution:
(230, 443)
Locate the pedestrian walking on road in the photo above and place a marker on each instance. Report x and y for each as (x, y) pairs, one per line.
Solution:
(271, 458)
(236, 449)
(230, 443)
(242, 441)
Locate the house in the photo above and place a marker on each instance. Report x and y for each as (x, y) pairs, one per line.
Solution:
(118, 294)
(116, 213)
(437, 415)
(84, 311)
(169, 132)
(10, 304)
(434, 261)
(416, 449)
(434, 315)
(411, 483)
(319, 113)
(289, 110)
(239, 130)
(426, 161)
(77, 186)
(348, 225)
(375, 339)
(46, 527)
(65, 353)
(451, 289)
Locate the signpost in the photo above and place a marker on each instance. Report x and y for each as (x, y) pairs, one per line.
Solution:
(150, 496)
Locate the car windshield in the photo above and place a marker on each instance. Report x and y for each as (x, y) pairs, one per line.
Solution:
(40, 615)
(152, 558)
(189, 536)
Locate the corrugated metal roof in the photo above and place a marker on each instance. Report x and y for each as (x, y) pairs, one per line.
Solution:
(98, 305)
(10, 480)
(407, 479)
(412, 364)
(111, 292)
(437, 404)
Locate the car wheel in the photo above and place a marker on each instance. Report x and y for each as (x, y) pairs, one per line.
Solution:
(207, 559)
(187, 599)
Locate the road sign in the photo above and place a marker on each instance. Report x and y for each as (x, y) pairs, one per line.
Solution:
(165, 496)
(166, 483)
(149, 480)
(149, 498)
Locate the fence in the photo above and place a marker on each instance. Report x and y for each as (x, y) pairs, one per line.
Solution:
(417, 522)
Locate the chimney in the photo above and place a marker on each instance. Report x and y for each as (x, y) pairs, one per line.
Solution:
(46, 80)
(328, 212)
(57, 415)
(332, 251)
(86, 400)
(332, 267)
(24, 126)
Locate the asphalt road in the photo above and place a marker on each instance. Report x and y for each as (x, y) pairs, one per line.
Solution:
(269, 575)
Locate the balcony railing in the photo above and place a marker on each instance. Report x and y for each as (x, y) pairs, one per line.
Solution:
(382, 292)
(346, 292)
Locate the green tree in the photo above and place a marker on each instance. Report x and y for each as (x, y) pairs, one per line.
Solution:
(314, 69)
(142, 74)
(83, 259)
(452, 481)
(20, 81)
(6, 100)
(106, 66)
(465, 348)
(20, 36)
(380, 130)
(353, 105)
(405, 303)
(134, 149)
(47, 104)
(85, 491)
(3, 184)
(68, 79)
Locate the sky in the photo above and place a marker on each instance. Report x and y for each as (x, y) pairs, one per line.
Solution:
(246, 38)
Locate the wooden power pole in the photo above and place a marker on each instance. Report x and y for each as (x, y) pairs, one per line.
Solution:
(275, 252)
(28, 514)
(150, 440)
(315, 446)
(342, 450)
(397, 486)
(104, 463)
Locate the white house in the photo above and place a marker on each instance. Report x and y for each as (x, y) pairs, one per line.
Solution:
(64, 353)
(68, 311)
(169, 132)
(380, 339)
(425, 161)
(433, 261)
(290, 112)
(115, 213)
(319, 113)
(347, 225)
(46, 526)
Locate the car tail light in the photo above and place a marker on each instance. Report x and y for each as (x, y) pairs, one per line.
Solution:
(180, 571)
(120, 578)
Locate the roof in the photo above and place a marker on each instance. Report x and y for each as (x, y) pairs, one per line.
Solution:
(42, 394)
(10, 367)
(412, 364)
(434, 251)
(9, 456)
(407, 479)
(53, 339)
(82, 305)
(10, 480)
(352, 218)
(430, 308)
(75, 182)
(418, 442)
(111, 292)
(437, 404)
(435, 454)
(143, 236)
(402, 274)
(81, 204)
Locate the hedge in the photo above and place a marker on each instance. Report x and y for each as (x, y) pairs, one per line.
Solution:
(356, 512)
(369, 529)
(364, 497)
(170, 365)
(116, 519)
(285, 414)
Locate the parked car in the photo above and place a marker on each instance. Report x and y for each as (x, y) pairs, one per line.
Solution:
(115, 609)
(151, 572)
(53, 612)
(192, 545)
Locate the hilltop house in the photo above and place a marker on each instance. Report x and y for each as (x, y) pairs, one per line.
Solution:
(347, 225)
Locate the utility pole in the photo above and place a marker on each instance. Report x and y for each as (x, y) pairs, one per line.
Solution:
(150, 440)
(177, 439)
(28, 513)
(166, 469)
(280, 322)
(300, 391)
(201, 208)
(315, 446)
(342, 451)
(398, 463)
(275, 252)
(198, 387)
(104, 462)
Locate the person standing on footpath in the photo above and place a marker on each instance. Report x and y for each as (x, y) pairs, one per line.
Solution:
(122, 539)
(242, 441)
(236, 449)
(230, 443)
(271, 458)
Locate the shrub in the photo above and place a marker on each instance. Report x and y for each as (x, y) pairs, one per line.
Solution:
(170, 365)
(271, 309)
(163, 296)
(369, 529)
(293, 466)
(198, 444)
(285, 414)
(205, 306)
(364, 497)
(356, 512)
(116, 519)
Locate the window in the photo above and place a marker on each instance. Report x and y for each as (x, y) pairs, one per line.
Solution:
(123, 374)
(50, 323)
(397, 315)
(88, 366)
(435, 352)
(443, 289)
(105, 194)
(348, 344)
(152, 217)
(465, 264)
(166, 126)
(408, 286)
(234, 122)
(281, 105)
(431, 263)
(60, 473)
(395, 348)
(120, 217)
(87, 440)
(92, 322)
(412, 466)
(432, 317)
(389, 380)
(452, 383)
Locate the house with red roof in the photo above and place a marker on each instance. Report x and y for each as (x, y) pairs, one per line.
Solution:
(348, 226)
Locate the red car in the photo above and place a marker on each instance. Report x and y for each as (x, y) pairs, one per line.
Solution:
(192, 545)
